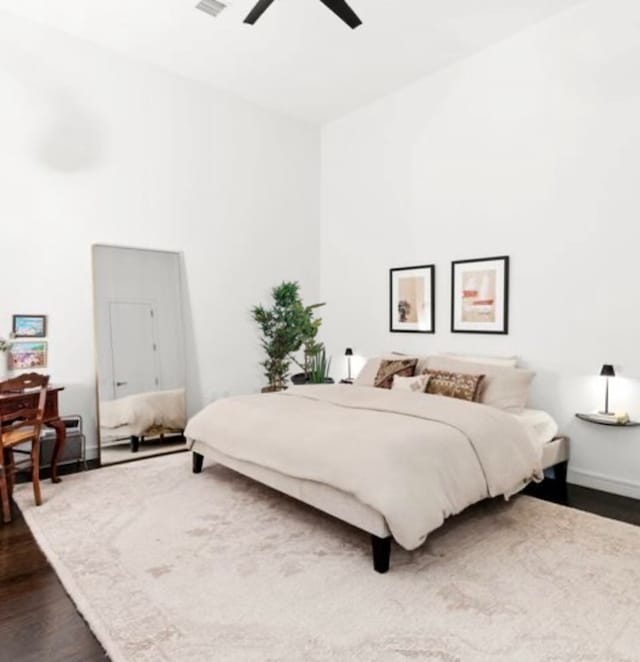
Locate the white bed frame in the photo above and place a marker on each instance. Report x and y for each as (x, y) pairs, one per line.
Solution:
(345, 506)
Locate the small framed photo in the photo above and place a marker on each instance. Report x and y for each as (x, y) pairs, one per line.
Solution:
(480, 295)
(29, 326)
(25, 355)
(412, 293)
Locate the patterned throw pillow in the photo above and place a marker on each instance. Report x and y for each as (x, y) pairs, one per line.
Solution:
(417, 383)
(454, 384)
(389, 368)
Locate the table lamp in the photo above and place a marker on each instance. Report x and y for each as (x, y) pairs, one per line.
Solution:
(607, 371)
(348, 353)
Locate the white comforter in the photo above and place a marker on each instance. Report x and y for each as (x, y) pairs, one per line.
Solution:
(415, 458)
(142, 411)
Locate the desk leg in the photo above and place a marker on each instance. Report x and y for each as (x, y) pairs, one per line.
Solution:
(61, 435)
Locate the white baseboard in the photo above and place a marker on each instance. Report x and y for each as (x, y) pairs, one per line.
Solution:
(604, 483)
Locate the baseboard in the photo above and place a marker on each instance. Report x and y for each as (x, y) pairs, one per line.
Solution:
(604, 483)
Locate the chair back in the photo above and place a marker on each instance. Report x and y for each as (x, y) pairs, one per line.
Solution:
(26, 416)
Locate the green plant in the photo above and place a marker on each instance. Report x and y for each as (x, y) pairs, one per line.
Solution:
(319, 367)
(286, 327)
(309, 327)
(5, 345)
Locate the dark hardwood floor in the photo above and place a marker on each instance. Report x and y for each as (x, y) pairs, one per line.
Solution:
(39, 622)
(608, 505)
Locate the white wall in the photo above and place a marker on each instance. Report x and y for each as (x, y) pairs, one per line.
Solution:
(531, 149)
(97, 148)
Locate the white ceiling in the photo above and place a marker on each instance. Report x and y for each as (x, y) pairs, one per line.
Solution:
(299, 59)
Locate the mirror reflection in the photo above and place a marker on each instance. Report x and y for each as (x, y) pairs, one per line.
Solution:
(140, 352)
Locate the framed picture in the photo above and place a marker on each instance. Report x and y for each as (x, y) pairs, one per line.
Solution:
(29, 326)
(412, 293)
(25, 355)
(480, 295)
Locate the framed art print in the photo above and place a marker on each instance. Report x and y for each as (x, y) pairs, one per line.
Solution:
(29, 326)
(412, 299)
(480, 295)
(27, 355)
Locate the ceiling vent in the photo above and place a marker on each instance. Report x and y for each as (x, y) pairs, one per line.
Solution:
(212, 7)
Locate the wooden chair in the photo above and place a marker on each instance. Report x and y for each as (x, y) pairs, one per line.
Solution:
(20, 427)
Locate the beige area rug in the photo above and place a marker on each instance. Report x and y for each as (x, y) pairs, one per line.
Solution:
(170, 566)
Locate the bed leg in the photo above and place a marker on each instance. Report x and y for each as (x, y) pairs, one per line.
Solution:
(560, 492)
(381, 548)
(197, 462)
(560, 472)
(135, 443)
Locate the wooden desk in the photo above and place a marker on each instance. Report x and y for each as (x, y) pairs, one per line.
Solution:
(13, 401)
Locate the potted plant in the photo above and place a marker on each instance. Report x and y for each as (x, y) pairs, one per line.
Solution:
(309, 327)
(287, 327)
(281, 327)
(319, 368)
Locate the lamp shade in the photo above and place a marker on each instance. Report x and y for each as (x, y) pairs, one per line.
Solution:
(607, 371)
(348, 352)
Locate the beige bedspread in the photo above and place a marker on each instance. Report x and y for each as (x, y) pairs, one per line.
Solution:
(140, 412)
(415, 458)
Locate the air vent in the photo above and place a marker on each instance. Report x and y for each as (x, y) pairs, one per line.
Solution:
(212, 7)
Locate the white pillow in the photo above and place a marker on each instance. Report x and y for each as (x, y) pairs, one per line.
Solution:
(417, 383)
(504, 388)
(504, 361)
(367, 376)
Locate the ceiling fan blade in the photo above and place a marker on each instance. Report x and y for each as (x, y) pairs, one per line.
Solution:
(260, 8)
(342, 9)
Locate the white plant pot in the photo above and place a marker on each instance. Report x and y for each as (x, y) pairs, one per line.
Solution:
(4, 373)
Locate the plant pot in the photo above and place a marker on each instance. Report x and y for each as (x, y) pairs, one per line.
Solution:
(272, 389)
(300, 380)
(4, 373)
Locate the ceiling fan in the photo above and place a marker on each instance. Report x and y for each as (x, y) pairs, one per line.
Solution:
(338, 7)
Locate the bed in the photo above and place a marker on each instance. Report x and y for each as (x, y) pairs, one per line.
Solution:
(394, 464)
(143, 416)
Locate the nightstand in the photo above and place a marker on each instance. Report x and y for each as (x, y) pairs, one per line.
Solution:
(599, 419)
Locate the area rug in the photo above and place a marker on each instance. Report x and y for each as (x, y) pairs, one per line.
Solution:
(170, 566)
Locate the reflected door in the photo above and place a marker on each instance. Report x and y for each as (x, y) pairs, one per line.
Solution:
(134, 348)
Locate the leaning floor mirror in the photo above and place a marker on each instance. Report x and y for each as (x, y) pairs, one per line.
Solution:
(140, 352)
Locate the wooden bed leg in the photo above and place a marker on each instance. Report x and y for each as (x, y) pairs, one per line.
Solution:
(135, 443)
(197, 462)
(381, 548)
